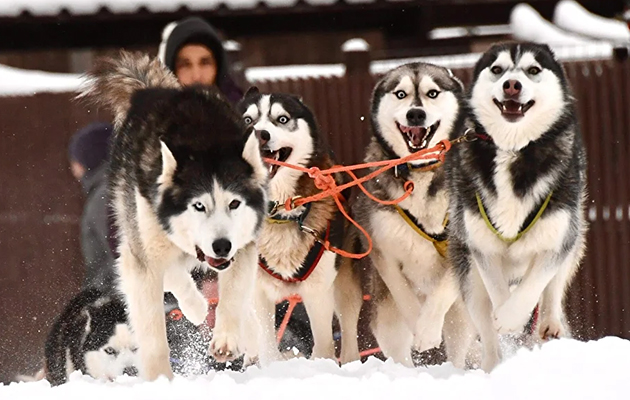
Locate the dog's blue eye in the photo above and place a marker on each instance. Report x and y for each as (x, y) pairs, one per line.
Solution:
(234, 204)
(111, 351)
(400, 94)
(248, 120)
(283, 119)
(199, 207)
(496, 70)
(432, 94)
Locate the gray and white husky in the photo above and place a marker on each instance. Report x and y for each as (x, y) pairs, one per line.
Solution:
(413, 107)
(189, 188)
(517, 195)
(292, 261)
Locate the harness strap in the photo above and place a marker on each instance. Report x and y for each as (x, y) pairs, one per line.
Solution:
(440, 242)
(402, 171)
(494, 230)
(275, 218)
(308, 265)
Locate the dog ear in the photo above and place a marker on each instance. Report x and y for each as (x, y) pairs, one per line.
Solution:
(252, 91)
(169, 165)
(251, 154)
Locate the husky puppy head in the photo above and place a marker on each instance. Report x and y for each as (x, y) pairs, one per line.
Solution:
(286, 130)
(519, 92)
(210, 192)
(110, 349)
(414, 107)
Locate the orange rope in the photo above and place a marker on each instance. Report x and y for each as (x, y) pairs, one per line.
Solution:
(326, 183)
(293, 300)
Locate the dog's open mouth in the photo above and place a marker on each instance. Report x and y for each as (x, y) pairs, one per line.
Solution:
(217, 263)
(513, 110)
(279, 155)
(417, 137)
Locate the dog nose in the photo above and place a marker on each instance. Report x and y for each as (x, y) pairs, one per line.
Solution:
(416, 116)
(130, 371)
(512, 87)
(222, 247)
(263, 137)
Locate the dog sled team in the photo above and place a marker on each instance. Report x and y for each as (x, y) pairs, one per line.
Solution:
(488, 235)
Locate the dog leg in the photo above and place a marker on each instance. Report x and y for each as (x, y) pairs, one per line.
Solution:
(551, 312)
(391, 332)
(178, 281)
(236, 292)
(428, 330)
(348, 303)
(399, 288)
(143, 287)
(266, 315)
(320, 308)
(512, 315)
(480, 310)
(459, 333)
(490, 270)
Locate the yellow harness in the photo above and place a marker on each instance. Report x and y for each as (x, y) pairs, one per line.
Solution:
(440, 244)
(494, 230)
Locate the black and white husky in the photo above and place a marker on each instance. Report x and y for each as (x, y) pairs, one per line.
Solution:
(517, 195)
(414, 289)
(188, 188)
(92, 335)
(291, 260)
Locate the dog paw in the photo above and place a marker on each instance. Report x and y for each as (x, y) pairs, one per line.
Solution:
(155, 367)
(551, 329)
(509, 319)
(223, 346)
(195, 308)
(427, 336)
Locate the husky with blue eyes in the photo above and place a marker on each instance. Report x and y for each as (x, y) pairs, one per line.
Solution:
(517, 230)
(188, 188)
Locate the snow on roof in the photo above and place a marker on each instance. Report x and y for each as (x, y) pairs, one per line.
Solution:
(19, 82)
(13, 8)
(560, 369)
(570, 15)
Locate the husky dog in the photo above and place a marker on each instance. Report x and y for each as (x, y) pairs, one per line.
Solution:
(188, 188)
(413, 108)
(517, 195)
(91, 335)
(292, 261)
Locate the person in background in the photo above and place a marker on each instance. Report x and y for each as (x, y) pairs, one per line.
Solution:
(88, 153)
(193, 51)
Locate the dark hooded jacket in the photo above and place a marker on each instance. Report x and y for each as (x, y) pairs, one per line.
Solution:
(196, 30)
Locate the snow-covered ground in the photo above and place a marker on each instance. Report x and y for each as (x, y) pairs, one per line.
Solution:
(564, 369)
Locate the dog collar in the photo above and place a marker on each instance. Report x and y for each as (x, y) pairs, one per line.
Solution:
(494, 230)
(275, 218)
(440, 242)
(403, 170)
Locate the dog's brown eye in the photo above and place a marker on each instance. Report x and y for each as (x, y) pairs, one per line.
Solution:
(432, 94)
(496, 70)
(533, 71)
(400, 94)
(234, 204)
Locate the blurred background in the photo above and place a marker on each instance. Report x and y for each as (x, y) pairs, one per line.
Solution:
(331, 52)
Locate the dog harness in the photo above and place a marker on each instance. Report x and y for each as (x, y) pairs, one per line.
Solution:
(334, 235)
(529, 226)
(440, 242)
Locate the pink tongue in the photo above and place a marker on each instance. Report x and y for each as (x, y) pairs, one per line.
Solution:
(215, 262)
(416, 134)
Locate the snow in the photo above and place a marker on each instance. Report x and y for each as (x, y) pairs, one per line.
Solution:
(563, 369)
(12, 8)
(356, 44)
(528, 24)
(257, 74)
(570, 15)
(19, 82)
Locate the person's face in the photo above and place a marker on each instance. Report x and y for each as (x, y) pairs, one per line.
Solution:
(195, 63)
(78, 170)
